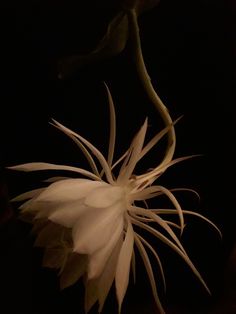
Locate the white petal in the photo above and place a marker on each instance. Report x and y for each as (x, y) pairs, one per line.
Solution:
(123, 266)
(91, 294)
(75, 267)
(106, 279)
(104, 196)
(38, 208)
(26, 205)
(50, 236)
(69, 190)
(97, 261)
(68, 214)
(54, 257)
(55, 179)
(94, 229)
(27, 195)
(64, 214)
(43, 209)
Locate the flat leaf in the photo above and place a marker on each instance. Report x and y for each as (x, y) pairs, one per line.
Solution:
(113, 42)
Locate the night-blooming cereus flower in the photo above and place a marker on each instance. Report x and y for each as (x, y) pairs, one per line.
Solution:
(89, 225)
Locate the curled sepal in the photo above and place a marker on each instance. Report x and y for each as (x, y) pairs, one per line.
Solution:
(123, 265)
(149, 270)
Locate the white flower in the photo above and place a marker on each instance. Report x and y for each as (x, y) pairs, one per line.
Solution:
(89, 225)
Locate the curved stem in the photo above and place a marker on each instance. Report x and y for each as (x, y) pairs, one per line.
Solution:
(147, 84)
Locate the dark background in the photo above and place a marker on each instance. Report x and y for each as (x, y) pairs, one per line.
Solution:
(189, 50)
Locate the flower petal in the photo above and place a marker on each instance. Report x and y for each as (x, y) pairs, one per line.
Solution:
(123, 265)
(94, 229)
(98, 260)
(27, 195)
(104, 196)
(54, 257)
(35, 207)
(50, 236)
(69, 190)
(75, 268)
(67, 215)
(55, 179)
(106, 279)
(43, 209)
(91, 294)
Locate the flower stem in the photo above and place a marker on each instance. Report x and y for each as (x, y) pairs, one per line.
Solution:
(147, 84)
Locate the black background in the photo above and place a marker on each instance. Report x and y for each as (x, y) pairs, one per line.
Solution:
(189, 50)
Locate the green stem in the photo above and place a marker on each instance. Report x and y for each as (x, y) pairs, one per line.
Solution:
(147, 84)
